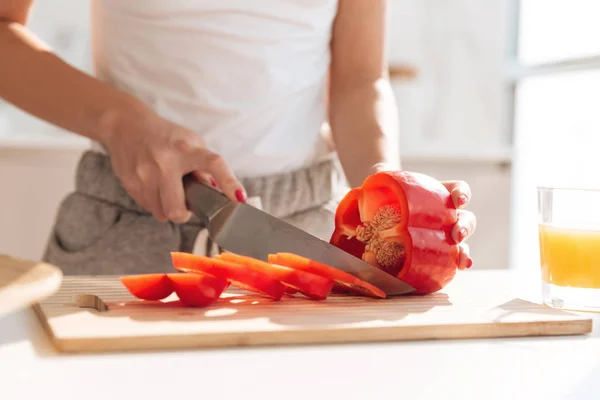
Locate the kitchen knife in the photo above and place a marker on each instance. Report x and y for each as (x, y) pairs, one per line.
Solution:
(246, 230)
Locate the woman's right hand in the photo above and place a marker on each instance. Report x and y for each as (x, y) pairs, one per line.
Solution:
(151, 156)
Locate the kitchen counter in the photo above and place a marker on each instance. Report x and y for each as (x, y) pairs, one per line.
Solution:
(516, 368)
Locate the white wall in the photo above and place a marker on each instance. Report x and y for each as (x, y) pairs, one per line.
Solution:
(458, 47)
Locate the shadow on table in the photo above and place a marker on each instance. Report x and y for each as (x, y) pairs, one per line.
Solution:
(520, 306)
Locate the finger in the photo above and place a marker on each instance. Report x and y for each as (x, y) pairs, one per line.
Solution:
(149, 191)
(172, 199)
(151, 202)
(134, 189)
(220, 171)
(464, 227)
(465, 261)
(206, 178)
(460, 192)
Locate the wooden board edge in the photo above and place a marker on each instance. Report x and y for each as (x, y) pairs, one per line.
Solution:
(582, 326)
(37, 309)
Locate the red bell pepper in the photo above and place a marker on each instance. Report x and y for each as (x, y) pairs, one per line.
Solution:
(198, 289)
(401, 222)
(240, 276)
(148, 286)
(193, 290)
(313, 286)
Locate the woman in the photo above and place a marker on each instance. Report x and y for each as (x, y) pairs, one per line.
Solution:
(239, 93)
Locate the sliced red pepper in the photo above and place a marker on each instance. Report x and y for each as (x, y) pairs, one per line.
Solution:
(238, 275)
(401, 222)
(197, 289)
(311, 285)
(148, 286)
(340, 278)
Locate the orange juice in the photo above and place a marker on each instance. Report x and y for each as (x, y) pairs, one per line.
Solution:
(570, 257)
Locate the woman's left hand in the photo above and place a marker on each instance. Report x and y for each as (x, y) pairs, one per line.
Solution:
(461, 195)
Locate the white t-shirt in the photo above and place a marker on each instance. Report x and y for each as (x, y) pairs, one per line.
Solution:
(247, 75)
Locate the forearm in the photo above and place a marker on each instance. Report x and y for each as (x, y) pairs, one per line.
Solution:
(40, 83)
(364, 127)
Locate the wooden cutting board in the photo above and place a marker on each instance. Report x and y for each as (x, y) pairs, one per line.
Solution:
(24, 282)
(97, 314)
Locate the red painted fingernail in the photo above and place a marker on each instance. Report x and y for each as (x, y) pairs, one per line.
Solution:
(213, 182)
(462, 234)
(462, 199)
(470, 263)
(240, 195)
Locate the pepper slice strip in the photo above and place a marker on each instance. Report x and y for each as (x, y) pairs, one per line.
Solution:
(340, 278)
(313, 286)
(400, 222)
(238, 275)
(151, 287)
(197, 289)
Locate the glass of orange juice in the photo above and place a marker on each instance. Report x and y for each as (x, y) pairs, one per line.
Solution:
(569, 237)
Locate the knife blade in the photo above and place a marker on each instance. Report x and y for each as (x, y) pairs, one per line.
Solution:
(246, 230)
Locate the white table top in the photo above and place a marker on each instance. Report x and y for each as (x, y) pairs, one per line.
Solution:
(519, 368)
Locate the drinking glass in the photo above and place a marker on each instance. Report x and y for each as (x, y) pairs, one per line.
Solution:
(569, 238)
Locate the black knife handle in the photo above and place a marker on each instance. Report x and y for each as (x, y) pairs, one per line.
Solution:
(201, 199)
